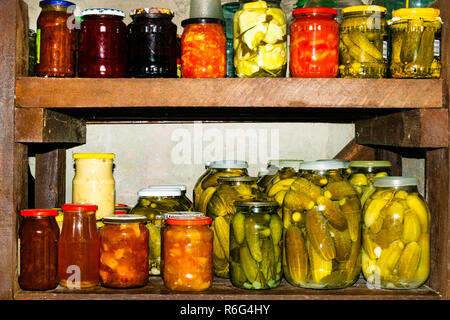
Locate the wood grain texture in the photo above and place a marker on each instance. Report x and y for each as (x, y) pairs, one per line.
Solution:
(50, 185)
(393, 156)
(354, 152)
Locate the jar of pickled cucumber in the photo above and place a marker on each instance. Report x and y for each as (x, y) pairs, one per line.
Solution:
(221, 209)
(416, 43)
(322, 230)
(206, 185)
(396, 235)
(260, 39)
(363, 46)
(363, 174)
(184, 198)
(256, 245)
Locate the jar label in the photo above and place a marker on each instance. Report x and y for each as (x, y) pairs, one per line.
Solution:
(437, 48)
(385, 49)
(38, 46)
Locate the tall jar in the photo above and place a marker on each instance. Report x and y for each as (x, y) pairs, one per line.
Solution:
(221, 209)
(152, 44)
(79, 247)
(260, 39)
(103, 39)
(56, 40)
(322, 229)
(206, 185)
(94, 182)
(363, 45)
(124, 251)
(314, 43)
(38, 234)
(256, 245)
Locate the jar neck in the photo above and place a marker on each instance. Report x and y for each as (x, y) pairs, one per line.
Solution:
(58, 8)
(94, 166)
(408, 189)
(315, 15)
(374, 15)
(159, 17)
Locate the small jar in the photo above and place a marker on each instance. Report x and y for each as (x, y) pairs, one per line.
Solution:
(94, 182)
(187, 254)
(314, 43)
(103, 39)
(56, 40)
(416, 43)
(203, 48)
(38, 234)
(256, 245)
(124, 251)
(152, 44)
(260, 39)
(363, 45)
(79, 247)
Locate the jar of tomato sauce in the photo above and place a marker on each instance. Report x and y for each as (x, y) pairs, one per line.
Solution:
(56, 40)
(103, 40)
(39, 234)
(203, 48)
(79, 247)
(314, 43)
(187, 253)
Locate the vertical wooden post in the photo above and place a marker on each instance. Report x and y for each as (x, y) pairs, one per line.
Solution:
(50, 186)
(393, 157)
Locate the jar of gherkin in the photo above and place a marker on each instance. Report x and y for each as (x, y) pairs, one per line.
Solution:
(363, 46)
(260, 39)
(396, 235)
(416, 39)
(322, 230)
(184, 198)
(363, 174)
(221, 210)
(207, 184)
(256, 245)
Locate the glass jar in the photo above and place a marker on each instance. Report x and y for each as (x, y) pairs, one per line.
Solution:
(94, 182)
(124, 251)
(184, 198)
(363, 174)
(314, 43)
(396, 235)
(229, 9)
(38, 234)
(392, 5)
(221, 209)
(203, 48)
(207, 183)
(152, 44)
(79, 247)
(103, 38)
(322, 235)
(416, 43)
(187, 254)
(338, 5)
(56, 40)
(363, 45)
(260, 39)
(256, 245)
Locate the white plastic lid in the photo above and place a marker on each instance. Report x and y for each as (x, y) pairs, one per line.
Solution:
(103, 11)
(159, 192)
(386, 182)
(168, 186)
(323, 165)
(229, 164)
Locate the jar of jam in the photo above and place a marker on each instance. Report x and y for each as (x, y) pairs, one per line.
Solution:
(124, 251)
(203, 48)
(103, 39)
(152, 44)
(314, 43)
(56, 40)
(187, 253)
(39, 234)
(79, 247)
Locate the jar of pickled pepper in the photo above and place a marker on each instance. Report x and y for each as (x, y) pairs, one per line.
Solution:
(203, 48)
(187, 253)
(260, 39)
(363, 45)
(124, 251)
(314, 43)
(416, 43)
(256, 245)
(396, 235)
(322, 235)
(38, 234)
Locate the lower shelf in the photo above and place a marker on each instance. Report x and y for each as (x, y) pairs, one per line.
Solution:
(223, 290)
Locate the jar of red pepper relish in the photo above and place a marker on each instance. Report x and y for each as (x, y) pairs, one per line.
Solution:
(103, 42)
(314, 43)
(203, 48)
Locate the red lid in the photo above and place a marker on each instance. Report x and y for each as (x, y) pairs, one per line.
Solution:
(314, 10)
(188, 221)
(120, 212)
(39, 213)
(79, 207)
